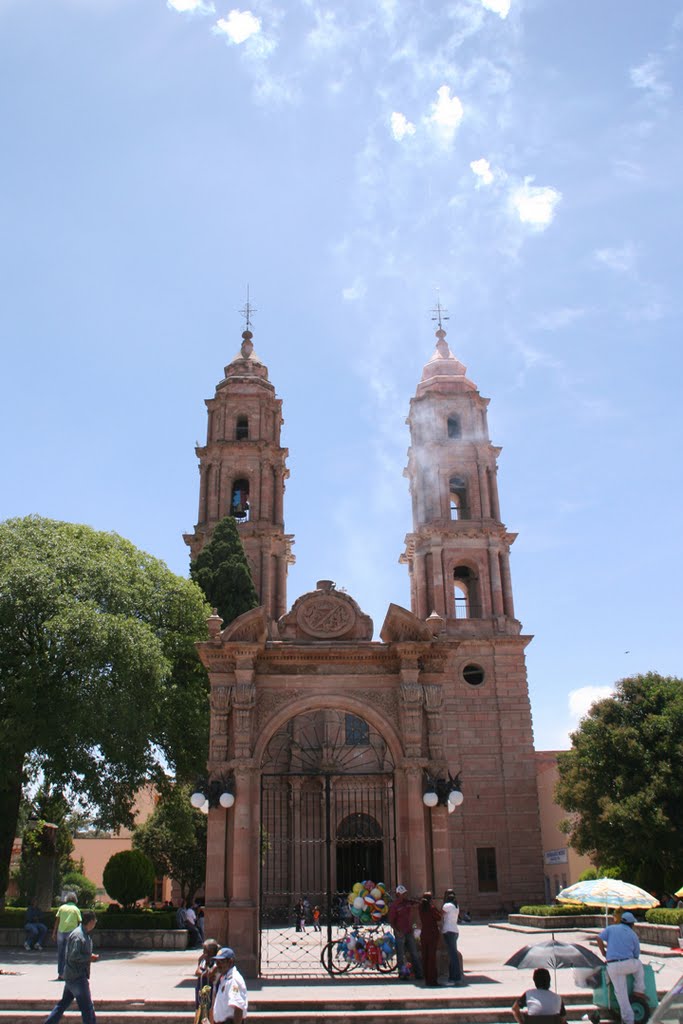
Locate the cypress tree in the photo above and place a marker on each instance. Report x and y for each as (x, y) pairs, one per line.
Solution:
(222, 571)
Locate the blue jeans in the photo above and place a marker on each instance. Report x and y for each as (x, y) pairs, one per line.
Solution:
(62, 939)
(454, 972)
(78, 989)
(401, 942)
(35, 933)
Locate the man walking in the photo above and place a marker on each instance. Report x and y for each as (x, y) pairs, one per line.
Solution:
(79, 956)
(620, 947)
(230, 1002)
(67, 918)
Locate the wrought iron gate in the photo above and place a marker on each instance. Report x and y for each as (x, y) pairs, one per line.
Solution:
(327, 821)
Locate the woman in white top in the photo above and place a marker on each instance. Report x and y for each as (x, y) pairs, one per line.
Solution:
(449, 927)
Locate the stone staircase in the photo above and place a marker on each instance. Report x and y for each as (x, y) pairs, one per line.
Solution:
(394, 1009)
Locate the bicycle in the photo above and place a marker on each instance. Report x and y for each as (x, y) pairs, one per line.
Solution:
(365, 948)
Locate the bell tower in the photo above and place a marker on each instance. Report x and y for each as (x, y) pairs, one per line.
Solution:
(242, 470)
(458, 552)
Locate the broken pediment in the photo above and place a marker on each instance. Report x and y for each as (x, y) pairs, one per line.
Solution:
(325, 614)
(401, 626)
(250, 627)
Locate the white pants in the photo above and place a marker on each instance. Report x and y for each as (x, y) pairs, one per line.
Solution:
(619, 971)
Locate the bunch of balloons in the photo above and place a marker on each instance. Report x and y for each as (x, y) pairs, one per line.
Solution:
(369, 902)
(370, 951)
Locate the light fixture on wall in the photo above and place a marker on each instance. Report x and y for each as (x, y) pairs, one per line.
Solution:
(447, 792)
(218, 792)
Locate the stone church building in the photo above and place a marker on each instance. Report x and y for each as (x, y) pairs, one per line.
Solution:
(405, 759)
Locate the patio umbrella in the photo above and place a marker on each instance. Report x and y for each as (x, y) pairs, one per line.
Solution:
(553, 954)
(607, 892)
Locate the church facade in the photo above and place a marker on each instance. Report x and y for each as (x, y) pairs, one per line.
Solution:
(407, 759)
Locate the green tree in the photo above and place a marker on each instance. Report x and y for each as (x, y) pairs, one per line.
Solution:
(99, 678)
(222, 571)
(174, 839)
(128, 877)
(620, 781)
(85, 890)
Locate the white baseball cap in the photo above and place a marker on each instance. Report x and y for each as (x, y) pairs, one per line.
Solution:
(401, 889)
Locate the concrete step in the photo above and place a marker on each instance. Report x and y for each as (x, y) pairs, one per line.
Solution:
(436, 1013)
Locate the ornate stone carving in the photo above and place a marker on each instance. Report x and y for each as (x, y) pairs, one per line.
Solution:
(400, 625)
(325, 614)
(220, 699)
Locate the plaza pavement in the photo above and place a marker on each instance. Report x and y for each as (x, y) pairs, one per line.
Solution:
(28, 980)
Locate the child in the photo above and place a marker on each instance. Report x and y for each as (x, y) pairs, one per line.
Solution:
(204, 974)
(316, 919)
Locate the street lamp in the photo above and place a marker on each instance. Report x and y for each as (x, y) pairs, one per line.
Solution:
(218, 792)
(447, 792)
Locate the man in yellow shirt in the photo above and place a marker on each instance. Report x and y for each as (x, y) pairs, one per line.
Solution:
(67, 918)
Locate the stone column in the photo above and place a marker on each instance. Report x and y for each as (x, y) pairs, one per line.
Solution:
(507, 584)
(483, 492)
(412, 830)
(496, 586)
(243, 868)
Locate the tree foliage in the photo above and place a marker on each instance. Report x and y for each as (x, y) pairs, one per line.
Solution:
(621, 781)
(128, 876)
(85, 890)
(174, 839)
(222, 571)
(98, 671)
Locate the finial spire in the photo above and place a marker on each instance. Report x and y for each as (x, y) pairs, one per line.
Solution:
(439, 313)
(247, 311)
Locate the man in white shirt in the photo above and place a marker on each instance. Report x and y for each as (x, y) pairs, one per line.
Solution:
(540, 1001)
(230, 1001)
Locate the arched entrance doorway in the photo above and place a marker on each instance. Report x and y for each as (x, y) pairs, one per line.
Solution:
(327, 821)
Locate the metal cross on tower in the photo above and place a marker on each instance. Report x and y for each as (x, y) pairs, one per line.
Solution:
(247, 311)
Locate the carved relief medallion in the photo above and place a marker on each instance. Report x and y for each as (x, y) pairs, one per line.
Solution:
(325, 616)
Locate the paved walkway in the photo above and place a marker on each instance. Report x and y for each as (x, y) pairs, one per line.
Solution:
(168, 976)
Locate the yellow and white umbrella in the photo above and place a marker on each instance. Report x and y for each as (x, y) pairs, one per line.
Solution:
(608, 892)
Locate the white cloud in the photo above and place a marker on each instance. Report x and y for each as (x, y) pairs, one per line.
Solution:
(648, 76)
(401, 126)
(482, 170)
(191, 6)
(535, 204)
(622, 260)
(501, 7)
(238, 26)
(558, 318)
(447, 113)
(326, 35)
(355, 291)
(581, 700)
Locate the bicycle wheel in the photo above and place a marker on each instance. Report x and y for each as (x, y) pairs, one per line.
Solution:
(388, 965)
(332, 960)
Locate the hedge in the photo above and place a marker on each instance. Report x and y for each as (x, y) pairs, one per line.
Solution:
(14, 917)
(664, 915)
(564, 910)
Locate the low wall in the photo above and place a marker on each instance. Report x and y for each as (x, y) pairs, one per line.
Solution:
(114, 938)
(652, 934)
(559, 923)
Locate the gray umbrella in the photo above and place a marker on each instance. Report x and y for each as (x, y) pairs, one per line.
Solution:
(553, 954)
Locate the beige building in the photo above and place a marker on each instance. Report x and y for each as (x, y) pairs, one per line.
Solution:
(346, 754)
(561, 865)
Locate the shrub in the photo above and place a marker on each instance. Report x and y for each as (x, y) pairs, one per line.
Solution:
(85, 890)
(14, 917)
(561, 910)
(664, 915)
(138, 920)
(129, 877)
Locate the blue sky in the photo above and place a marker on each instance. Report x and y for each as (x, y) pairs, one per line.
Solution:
(347, 160)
